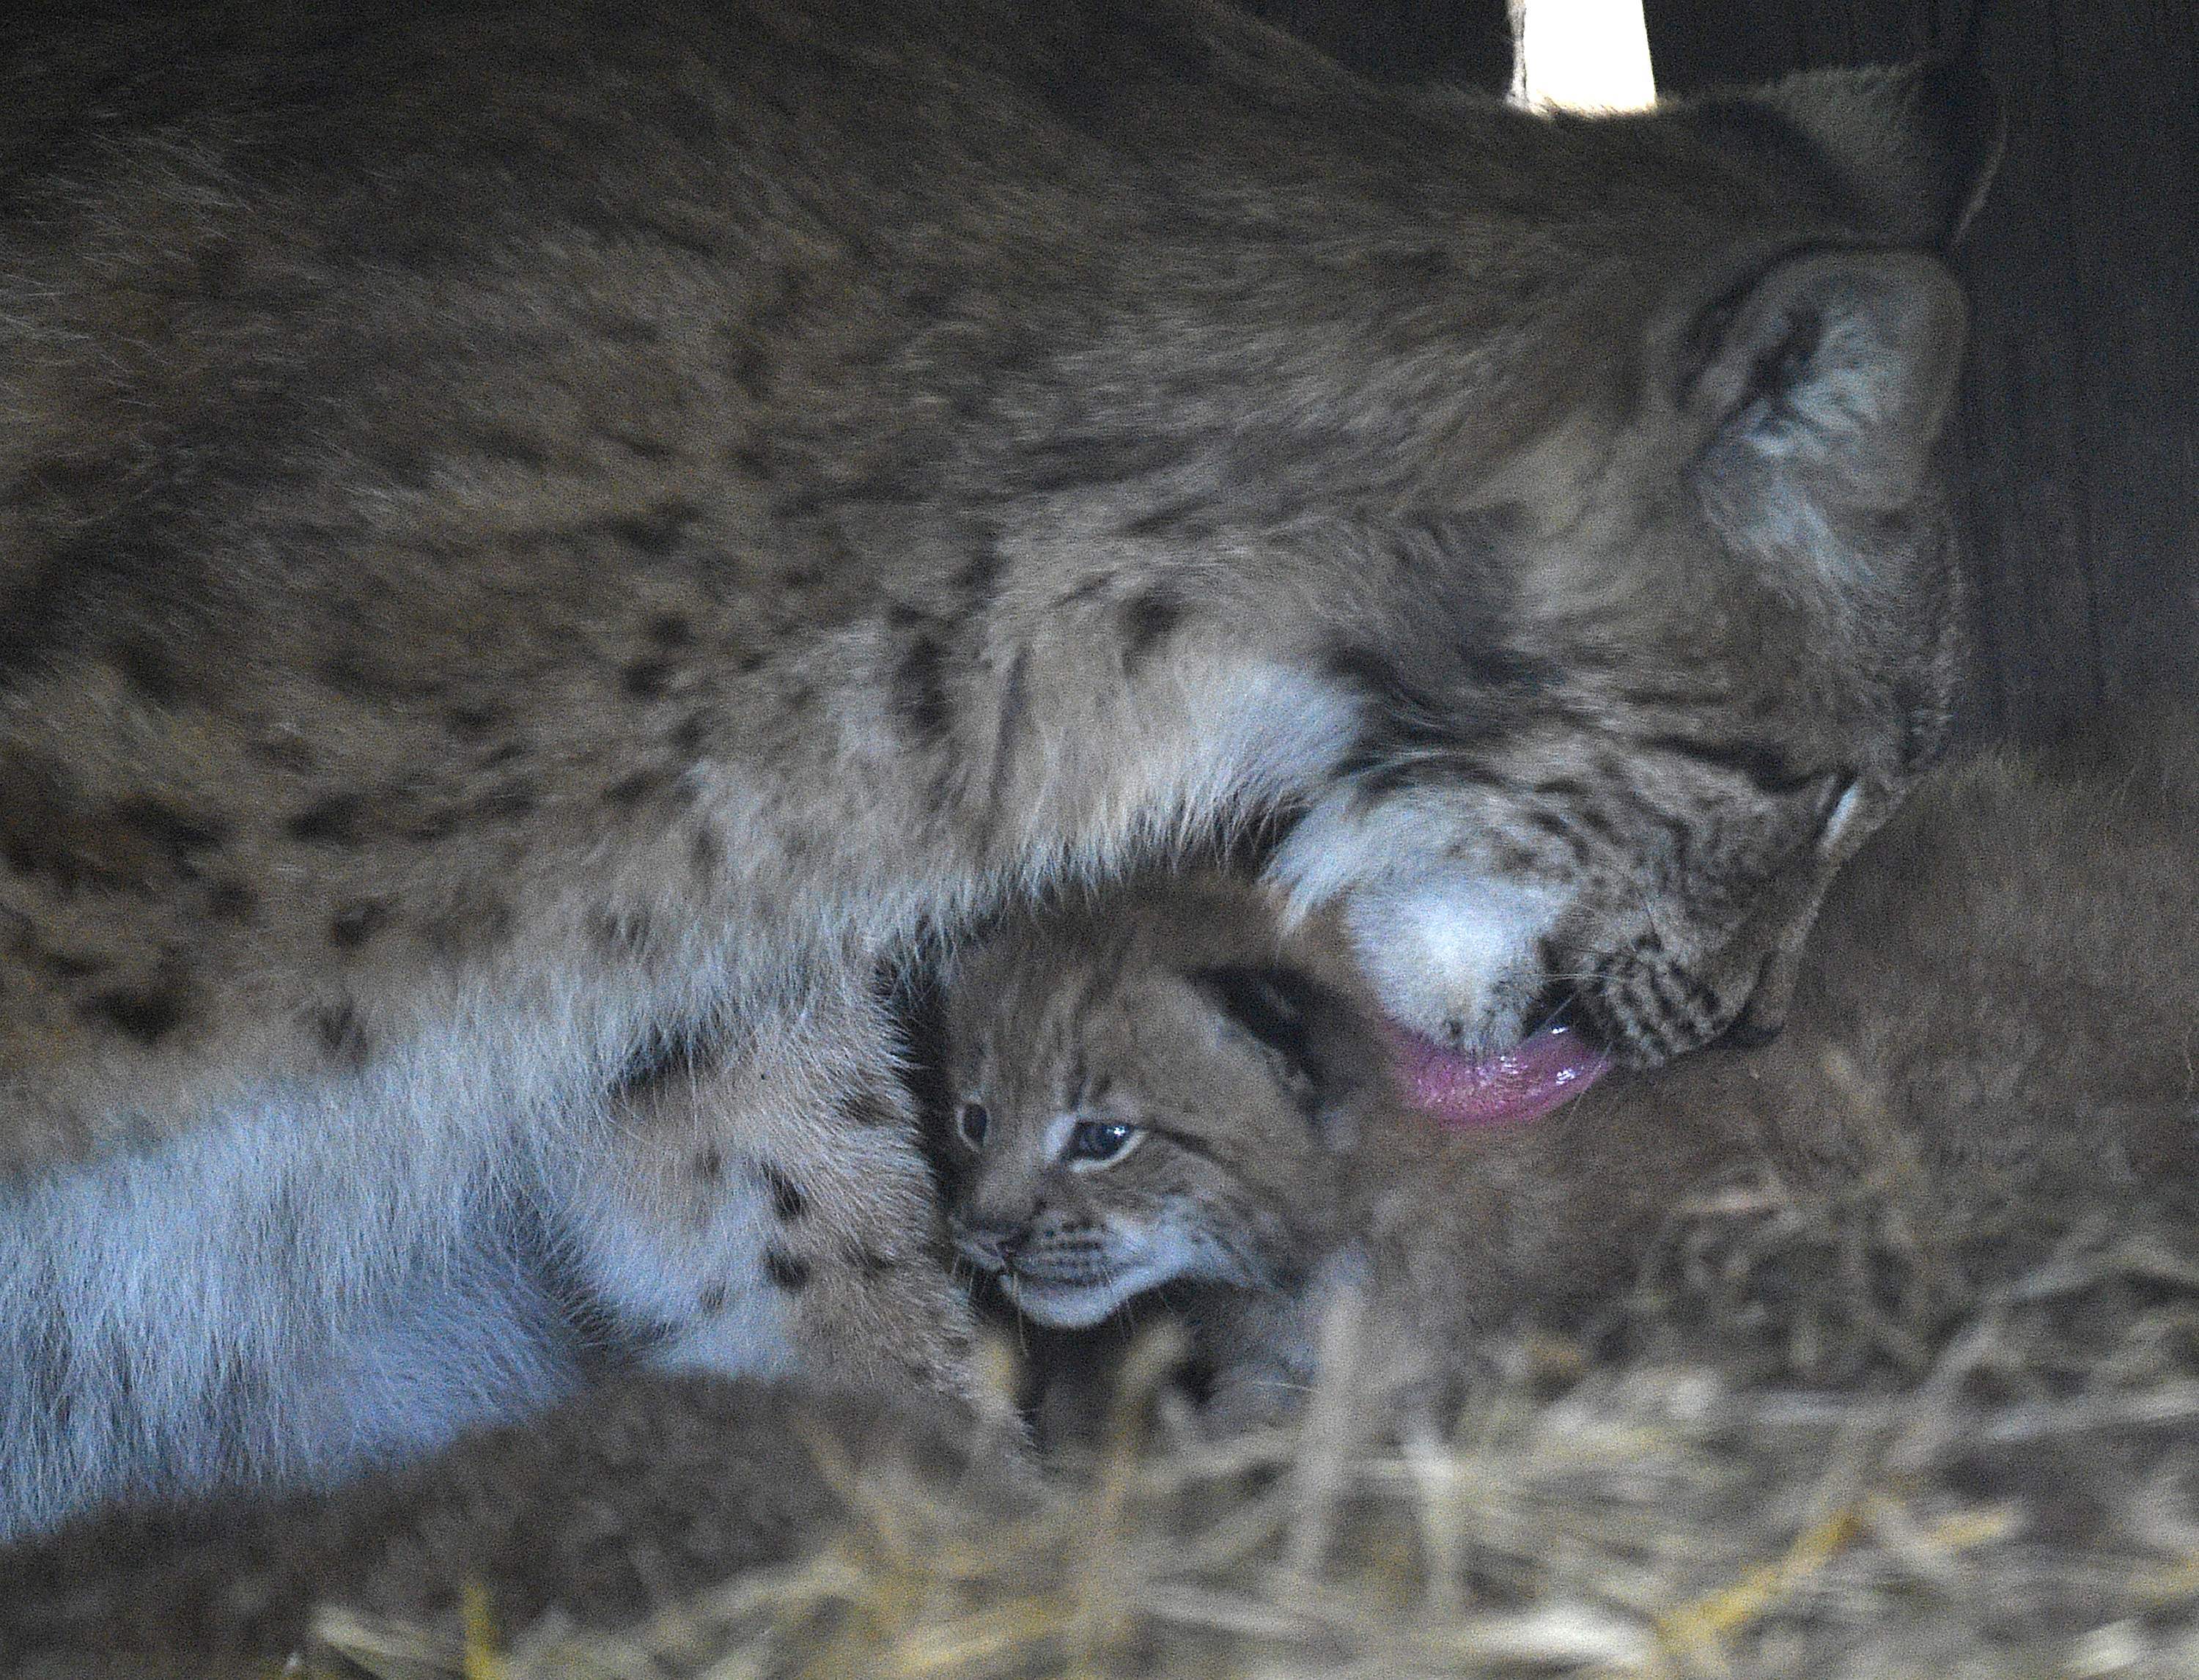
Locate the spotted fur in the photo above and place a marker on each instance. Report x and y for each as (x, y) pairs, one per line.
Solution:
(532, 534)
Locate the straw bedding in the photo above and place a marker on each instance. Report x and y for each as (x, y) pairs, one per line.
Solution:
(1893, 1429)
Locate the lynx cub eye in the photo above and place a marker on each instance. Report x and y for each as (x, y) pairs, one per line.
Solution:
(972, 1123)
(1095, 1143)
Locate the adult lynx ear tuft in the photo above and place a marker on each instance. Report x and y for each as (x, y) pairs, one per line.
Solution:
(1915, 145)
(1833, 364)
(1835, 367)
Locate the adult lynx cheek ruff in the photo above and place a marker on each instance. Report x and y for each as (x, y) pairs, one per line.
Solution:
(1550, 1066)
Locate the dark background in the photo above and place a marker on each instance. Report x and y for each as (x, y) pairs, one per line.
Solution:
(2079, 417)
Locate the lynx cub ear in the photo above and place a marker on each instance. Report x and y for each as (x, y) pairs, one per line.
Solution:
(1837, 366)
(1303, 1026)
(1272, 1004)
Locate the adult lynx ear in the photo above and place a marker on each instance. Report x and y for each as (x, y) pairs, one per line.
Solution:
(1911, 148)
(1835, 366)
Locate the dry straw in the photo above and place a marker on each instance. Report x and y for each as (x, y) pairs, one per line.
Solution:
(1848, 1437)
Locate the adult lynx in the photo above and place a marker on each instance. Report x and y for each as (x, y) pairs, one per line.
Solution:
(543, 540)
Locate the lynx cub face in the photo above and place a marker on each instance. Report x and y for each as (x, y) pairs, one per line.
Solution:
(1162, 1089)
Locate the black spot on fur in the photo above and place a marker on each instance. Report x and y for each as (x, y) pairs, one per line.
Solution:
(632, 790)
(180, 834)
(640, 447)
(1555, 827)
(334, 821)
(1579, 807)
(663, 1054)
(352, 674)
(469, 723)
(752, 368)
(1184, 518)
(148, 1016)
(1418, 726)
(692, 730)
(979, 578)
(752, 371)
(710, 1163)
(500, 443)
(671, 630)
(792, 509)
(1076, 463)
(229, 900)
(753, 461)
(712, 1298)
(28, 823)
(1015, 701)
(430, 826)
(790, 1272)
(1147, 619)
(656, 532)
(343, 1038)
(887, 488)
(64, 966)
(647, 679)
(919, 690)
(788, 1199)
(284, 751)
(355, 924)
(1377, 678)
(146, 666)
(56, 611)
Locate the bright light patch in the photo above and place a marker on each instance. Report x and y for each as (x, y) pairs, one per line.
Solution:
(1581, 56)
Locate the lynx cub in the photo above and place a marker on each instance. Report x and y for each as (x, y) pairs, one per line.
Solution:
(1164, 1089)
(537, 551)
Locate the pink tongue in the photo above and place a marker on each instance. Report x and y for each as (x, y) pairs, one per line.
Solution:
(1543, 1070)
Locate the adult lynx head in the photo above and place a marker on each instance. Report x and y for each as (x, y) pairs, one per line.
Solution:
(1713, 631)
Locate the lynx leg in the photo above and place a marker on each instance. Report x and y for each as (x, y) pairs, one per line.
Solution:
(762, 1204)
